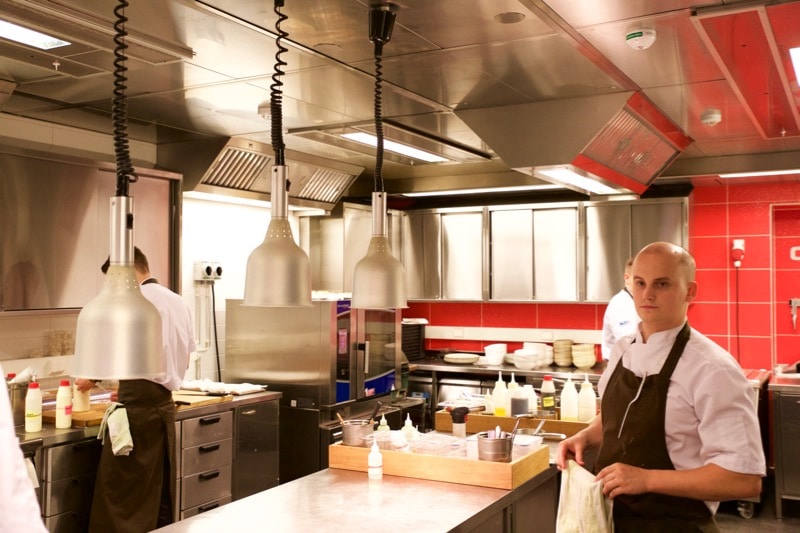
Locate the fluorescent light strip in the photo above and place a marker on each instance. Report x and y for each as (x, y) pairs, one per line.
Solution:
(519, 188)
(794, 53)
(761, 173)
(568, 177)
(30, 37)
(396, 147)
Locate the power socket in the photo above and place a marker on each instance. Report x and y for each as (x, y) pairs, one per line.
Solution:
(207, 271)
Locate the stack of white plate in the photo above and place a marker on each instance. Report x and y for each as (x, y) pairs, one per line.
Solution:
(539, 346)
(583, 356)
(526, 359)
(495, 353)
(562, 352)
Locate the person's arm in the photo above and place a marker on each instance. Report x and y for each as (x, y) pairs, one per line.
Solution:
(575, 446)
(84, 384)
(709, 482)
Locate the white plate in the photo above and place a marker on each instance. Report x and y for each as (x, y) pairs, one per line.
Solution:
(461, 358)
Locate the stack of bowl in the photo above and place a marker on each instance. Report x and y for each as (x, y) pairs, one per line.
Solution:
(526, 359)
(495, 353)
(562, 352)
(583, 356)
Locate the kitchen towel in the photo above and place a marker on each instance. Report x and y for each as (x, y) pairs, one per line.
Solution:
(119, 431)
(582, 508)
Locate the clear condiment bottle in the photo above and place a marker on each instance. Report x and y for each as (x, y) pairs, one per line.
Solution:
(587, 401)
(500, 396)
(33, 408)
(533, 400)
(375, 462)
(519, 402)
(64, 405)
(569, 401)
(383, 425)
(548, 394)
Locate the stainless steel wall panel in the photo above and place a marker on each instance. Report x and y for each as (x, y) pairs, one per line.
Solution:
(462, 256)
(657, 221)
(422, 255)
(608, 245)
(555, 254)
(512, 255)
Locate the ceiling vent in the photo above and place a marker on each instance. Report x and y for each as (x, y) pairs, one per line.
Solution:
(619, 142)
(240, 167)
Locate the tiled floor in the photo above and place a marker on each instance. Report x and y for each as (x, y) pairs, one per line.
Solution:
(729, 520)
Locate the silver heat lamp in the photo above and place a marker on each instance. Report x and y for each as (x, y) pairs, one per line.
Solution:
(278, 270)
(379, 280)
(119, 331)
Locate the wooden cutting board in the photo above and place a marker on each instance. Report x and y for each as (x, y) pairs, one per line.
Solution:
(191, 399)
(92, 417)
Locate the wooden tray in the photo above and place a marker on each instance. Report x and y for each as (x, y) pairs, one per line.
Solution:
(479, 422)
(92, 417)
(448, 469)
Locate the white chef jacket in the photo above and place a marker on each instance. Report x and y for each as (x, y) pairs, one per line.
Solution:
(177, 330)
(619, 320)
(711, 417)
(19, 509)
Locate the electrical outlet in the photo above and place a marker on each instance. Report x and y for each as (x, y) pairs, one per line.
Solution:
(207, 271)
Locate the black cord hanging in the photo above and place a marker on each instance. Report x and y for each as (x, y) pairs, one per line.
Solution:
(119, 110)
(381, 23)
(276, 94)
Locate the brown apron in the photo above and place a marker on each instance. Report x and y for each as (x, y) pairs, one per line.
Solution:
(642, 443)
(134, 493)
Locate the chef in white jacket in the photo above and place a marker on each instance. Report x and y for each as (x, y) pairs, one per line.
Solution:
(620, 318)
(19, 509)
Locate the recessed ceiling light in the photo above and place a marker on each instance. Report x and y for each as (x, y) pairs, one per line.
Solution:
(30, 37)
(483, 190)
(757, 174)
(509, 17)
(794, 53)
(396, 147)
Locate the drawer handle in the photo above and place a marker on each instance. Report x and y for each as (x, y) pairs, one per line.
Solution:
(210, 420)
(205, 476)
(204, 508)
(248, 412)
(209, 448)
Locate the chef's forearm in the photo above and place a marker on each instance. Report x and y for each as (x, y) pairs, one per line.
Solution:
(709, 482)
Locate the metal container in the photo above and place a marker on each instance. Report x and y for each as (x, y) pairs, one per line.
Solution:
(495, 449)
(16, 393)
(356, 432)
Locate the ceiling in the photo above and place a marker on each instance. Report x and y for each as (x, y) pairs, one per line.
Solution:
(203, 69)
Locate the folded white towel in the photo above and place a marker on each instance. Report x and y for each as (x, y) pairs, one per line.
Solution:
(115, 420)
(582, 508)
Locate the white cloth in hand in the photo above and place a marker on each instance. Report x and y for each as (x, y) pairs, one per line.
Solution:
(582, 508)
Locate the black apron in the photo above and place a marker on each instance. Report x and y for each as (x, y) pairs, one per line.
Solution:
(642, 443)
(134, 493)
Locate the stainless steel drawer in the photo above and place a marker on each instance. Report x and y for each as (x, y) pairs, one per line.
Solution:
(205, 507)
(205, 487)
(70, 460)
(68, 494)
(205, 429)
(206, 457)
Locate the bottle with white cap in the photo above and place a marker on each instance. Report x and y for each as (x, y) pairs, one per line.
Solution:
(33, 408)
(587, 401)
(500, 396)
(64, 405)
(375, 462)
(569, 401)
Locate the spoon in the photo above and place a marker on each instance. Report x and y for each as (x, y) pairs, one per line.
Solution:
(374, 412)
(339, 415)
(538, 428)
(514, 431)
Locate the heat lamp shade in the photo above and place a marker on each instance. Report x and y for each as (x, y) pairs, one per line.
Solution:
(278, 271)
(119, 332)
(379, 281)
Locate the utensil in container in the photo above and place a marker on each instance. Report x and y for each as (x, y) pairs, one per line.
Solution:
(494, 448)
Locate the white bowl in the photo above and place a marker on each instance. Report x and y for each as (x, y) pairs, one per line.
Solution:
(494, 359)
(495, 353)
(524, 363)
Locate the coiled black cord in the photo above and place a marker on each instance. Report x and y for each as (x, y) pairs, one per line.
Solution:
(378, 179)
(119, 110)
(276, 95)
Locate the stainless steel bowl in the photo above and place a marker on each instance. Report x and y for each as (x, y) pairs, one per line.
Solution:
(355, 432)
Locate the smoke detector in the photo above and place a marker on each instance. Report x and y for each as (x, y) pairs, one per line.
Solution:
(711, 116)
(640, 38)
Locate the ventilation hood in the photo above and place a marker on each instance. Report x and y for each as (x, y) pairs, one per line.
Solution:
(240, 167)
(620, 141)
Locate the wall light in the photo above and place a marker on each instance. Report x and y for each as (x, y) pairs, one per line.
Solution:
(794, 53)
(572, 179)
(760, 173)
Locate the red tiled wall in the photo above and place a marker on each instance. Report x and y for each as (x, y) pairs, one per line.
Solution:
(734, 309)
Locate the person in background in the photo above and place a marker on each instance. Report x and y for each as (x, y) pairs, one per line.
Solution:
(677, 431)
(19, 509)
(620, 318)
(135, 492)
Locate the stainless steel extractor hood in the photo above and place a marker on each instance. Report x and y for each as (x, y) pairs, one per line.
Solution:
(240, 167)
(620, 140)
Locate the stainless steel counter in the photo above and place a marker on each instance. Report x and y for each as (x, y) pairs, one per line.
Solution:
(783, 383)
(558, 372)
(340, 500)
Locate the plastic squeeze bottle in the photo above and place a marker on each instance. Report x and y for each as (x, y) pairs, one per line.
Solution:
(80, 400)
(519, 402)
(587, 401)
(548, 394)
(500, 396)
(64, 405)
(383, 425)
(33, 408)
(569, 401)
(375, 462)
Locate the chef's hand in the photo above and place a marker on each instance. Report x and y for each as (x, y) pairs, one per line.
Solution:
(84, 384)
(571, 448)
(620, 478)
